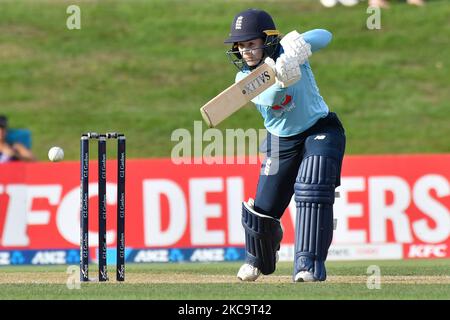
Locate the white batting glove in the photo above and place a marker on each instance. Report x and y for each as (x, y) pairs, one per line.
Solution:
(287, 70)
(295, 46)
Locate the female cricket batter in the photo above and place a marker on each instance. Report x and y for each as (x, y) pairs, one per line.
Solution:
(303, 150)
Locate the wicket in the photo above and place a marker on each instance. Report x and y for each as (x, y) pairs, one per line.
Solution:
(84, 205)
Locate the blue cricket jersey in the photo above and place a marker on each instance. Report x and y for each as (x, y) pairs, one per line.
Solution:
(292, 110)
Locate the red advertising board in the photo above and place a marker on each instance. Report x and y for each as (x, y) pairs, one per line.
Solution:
(389, 206)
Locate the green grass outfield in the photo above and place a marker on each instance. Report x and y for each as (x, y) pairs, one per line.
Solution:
(146, 67)
(411, 279)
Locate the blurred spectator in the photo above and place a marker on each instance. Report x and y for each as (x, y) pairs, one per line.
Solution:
(378, 3)
(332, 3)
(385, 4)
(372, 3)
(14, 150)
(416, 2)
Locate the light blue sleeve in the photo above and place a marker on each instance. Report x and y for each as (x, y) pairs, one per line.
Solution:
(317, 38)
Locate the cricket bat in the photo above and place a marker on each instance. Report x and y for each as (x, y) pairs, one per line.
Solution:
(236, 96)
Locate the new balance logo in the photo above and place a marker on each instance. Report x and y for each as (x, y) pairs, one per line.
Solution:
(238, 25)
(321, 137)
